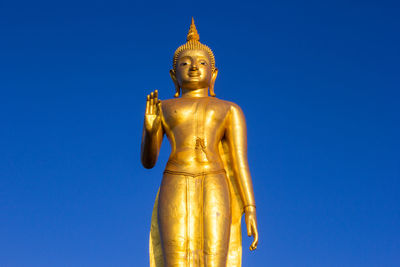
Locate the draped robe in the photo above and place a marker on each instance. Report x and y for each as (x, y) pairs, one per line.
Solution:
(234, 256)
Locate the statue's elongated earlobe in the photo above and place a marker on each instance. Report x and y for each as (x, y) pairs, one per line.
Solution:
(176, 84)
(177, 92)
(212, 82)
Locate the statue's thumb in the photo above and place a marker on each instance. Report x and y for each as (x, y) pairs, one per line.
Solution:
(158, 106)
(248, 229)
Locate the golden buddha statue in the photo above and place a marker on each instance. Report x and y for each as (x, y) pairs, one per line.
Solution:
(206, 186)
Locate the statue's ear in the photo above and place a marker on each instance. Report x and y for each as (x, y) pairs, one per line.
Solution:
(175, 80)
(212, 82)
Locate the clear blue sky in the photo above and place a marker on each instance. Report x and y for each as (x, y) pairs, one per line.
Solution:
(318, 82)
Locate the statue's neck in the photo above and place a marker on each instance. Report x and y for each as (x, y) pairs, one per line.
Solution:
(201, 92)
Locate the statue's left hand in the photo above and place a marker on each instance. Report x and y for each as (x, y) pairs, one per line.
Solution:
(251, 223)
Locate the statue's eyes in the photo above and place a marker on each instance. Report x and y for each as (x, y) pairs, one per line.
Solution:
(183, 64)
(203, 63)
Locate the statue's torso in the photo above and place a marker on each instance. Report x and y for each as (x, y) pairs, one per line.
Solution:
(194, 127)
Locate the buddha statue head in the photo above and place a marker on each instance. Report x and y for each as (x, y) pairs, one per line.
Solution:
(193, 65)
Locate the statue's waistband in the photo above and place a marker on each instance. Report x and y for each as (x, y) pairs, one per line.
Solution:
(195, 174)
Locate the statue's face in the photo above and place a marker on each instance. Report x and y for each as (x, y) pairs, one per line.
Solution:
(193, 69)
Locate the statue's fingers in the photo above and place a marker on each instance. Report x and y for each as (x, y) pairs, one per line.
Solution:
(254, 228)
(151, 103)
(254, 244)
(147, 104)
(255, 234)
(155, 99)
(155, 96)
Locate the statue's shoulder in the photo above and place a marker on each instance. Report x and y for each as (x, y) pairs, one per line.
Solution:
(228, 104)
(169, 102)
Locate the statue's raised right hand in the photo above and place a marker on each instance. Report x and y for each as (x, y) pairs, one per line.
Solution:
(152, 118)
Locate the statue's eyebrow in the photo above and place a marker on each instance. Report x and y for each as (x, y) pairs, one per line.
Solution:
(204, 58)
(185, 57)
(199, 58)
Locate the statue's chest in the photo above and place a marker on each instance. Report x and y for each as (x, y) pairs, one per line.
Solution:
(197, 114)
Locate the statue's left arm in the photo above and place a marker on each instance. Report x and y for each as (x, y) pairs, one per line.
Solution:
(237, 140)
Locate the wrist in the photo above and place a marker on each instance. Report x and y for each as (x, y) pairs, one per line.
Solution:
(250, 208)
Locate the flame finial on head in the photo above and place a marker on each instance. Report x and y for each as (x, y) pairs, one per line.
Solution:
(193, 42)
(193, 34)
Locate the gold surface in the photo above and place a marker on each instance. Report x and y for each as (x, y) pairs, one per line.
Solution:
(206, 185)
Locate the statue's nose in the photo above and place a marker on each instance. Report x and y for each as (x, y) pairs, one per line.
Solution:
(194, 67)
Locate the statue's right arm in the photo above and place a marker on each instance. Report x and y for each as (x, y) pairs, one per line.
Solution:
(152, 131)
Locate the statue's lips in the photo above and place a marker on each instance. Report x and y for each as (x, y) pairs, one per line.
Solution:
(194, 74)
